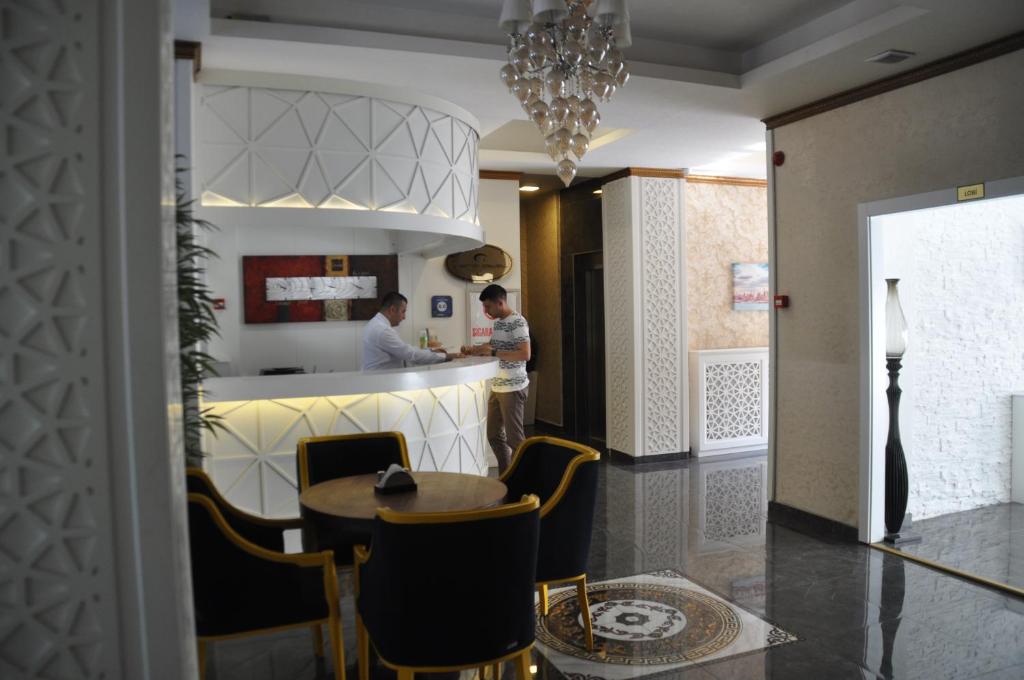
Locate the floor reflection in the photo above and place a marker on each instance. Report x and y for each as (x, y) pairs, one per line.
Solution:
(858, 612)
(986, 542)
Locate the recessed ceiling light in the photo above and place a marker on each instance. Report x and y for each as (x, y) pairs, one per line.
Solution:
(529, 187)
(891, 57)
(598, 192)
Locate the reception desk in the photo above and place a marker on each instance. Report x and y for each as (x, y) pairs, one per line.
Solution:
(441, 410)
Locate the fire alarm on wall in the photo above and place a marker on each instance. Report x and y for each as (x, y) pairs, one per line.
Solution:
(781, 301)
(778, 158)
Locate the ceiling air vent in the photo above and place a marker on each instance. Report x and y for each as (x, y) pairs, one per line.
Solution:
(891, 57)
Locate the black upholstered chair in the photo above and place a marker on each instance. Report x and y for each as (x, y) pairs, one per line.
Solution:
(240, 588)
(427, 603)
(564, 475)
(263, 531)
(320, 459)
(346, 455)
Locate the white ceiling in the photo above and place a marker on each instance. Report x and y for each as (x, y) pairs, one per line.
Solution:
(704, 71)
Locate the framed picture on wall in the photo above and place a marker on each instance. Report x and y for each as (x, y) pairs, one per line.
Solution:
(440, 306)
(750, 286)
(481, 325)
(292, 288)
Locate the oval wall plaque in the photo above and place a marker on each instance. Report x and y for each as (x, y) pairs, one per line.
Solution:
(483, 265)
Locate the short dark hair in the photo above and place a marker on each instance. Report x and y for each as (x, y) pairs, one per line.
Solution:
(493, 292)
(393, 299)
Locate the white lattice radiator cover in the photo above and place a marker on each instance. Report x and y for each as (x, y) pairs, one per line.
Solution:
(729, 405)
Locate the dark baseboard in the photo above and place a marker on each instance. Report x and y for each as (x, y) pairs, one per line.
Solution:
(620, 457)
(544, 428)
(810, 524)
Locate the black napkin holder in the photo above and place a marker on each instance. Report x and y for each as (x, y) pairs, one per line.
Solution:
(396, 479)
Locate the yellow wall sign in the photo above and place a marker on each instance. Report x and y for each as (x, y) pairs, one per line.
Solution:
(970, 192)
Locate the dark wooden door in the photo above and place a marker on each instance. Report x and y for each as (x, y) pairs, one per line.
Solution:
(588, 331)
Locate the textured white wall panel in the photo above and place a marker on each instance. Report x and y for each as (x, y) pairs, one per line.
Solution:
(59, 600)
(962, 289)
(645, 316)
(267, 147)
(663, 280)
(253, 462)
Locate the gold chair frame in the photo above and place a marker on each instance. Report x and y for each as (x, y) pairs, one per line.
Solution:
(324, 559)
(585, 455)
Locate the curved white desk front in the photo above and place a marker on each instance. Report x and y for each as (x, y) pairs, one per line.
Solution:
(441, 410)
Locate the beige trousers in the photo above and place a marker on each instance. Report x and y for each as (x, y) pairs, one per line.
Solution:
(505, 424)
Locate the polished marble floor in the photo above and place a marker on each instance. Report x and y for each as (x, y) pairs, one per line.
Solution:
(857, 612)
(986, 542)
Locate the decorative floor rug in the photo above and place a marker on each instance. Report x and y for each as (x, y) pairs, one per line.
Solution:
(646, 624)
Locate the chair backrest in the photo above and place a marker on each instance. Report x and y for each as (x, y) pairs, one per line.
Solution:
(538, 467)
(564, 474)
(567, 522)
(451, 588)
(271, 538)
(235, 587)
(322, 458)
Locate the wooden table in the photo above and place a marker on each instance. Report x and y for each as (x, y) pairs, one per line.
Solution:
(340, 511)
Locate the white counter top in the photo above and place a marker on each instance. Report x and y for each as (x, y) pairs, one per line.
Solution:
(247, 388)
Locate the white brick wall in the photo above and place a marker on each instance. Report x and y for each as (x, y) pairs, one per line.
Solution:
(962, 288)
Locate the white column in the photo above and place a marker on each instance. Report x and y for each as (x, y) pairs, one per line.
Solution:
(94, 532)
(645, 315)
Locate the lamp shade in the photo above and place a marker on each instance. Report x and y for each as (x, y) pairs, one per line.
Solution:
(515, 16)
(611, 12)
(549, 11)
(895, 323)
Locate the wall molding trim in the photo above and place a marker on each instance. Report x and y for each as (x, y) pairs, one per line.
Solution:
(190, 50)
(955, 62)
(665, 173)
(809, 523)
(501, 174)
(731, 181)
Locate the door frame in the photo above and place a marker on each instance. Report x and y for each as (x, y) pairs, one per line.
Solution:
(874, 411)
(575, 336)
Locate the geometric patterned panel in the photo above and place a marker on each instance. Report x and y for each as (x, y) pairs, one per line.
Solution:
(253, 462)
(664, 326)
(57, 599)
(262, 147)
(733, 400)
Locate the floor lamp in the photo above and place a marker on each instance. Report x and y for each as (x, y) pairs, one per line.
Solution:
(896, 481)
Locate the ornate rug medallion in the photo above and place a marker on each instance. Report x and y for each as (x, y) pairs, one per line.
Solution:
(651, 621)
(640, 623)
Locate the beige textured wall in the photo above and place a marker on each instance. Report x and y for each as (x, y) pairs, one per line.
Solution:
(959, 128)
(544, 309)
(724, 224)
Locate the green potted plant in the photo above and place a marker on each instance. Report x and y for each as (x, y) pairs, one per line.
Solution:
(197, 323)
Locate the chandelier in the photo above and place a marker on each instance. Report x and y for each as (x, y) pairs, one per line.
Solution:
(561, 58)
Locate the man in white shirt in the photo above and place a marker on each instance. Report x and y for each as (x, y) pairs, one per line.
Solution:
(510, 342)
(383, 348)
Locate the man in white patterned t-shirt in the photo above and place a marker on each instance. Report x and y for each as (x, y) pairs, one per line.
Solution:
(510, 342)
